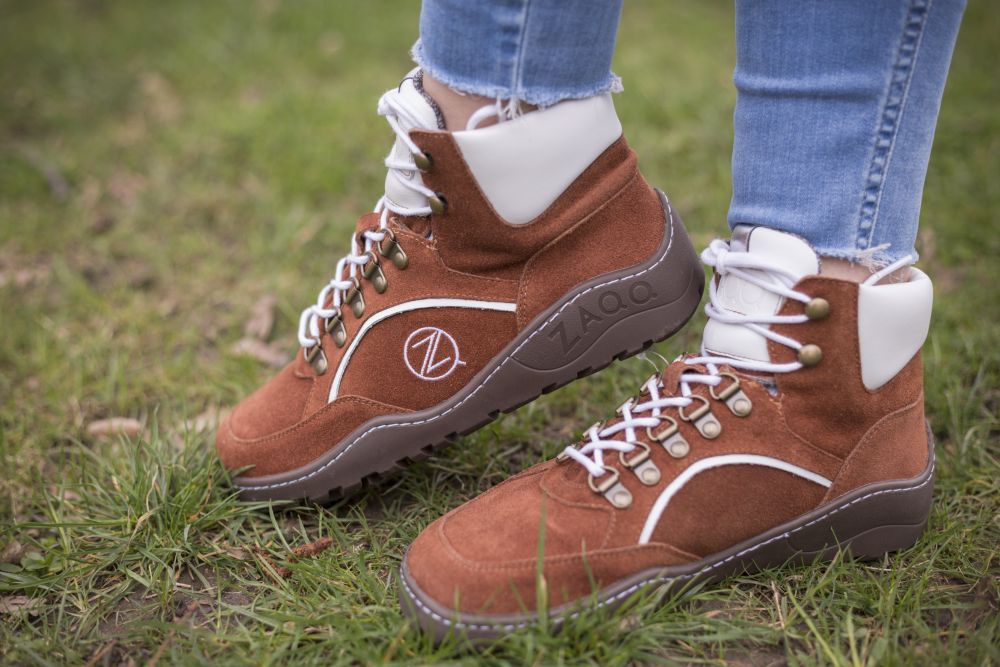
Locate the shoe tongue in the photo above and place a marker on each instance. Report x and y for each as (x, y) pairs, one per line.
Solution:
(737, 295)
(421, 113)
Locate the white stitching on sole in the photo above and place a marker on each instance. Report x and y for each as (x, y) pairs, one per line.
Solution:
(656, 580)
(275, 485)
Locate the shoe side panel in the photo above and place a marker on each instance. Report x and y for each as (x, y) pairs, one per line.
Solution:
(895, 447)
(828, 404)
(473, 238)
(626, 230)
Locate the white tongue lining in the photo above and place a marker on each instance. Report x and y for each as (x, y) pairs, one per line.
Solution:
(424, 116)
(737, 295)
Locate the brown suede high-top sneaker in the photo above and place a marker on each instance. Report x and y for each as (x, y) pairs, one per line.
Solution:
(798, 430)
(501, 263)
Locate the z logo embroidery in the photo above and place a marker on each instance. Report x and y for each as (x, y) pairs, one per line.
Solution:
(431, 353)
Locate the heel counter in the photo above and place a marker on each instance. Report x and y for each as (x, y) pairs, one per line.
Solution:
(626, 231)
(894, 448)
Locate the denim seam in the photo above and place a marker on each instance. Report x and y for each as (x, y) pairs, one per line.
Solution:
(516, 84)
(890, 118)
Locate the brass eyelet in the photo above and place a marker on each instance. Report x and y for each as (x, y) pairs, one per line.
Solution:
(647, 473)
(698, 413)
(423, 161)
(334, 326)
(389, 247)
(640, 464)
(316, 358)
(634, 458)
(372, 271)
(355, 298)
(817, 308)
(703, 419)
(662, 434)
(606, 481)
(611, 488)
(735, 398)
(729, 390)
(677, 447)
(438, 203)
(387, 242)
(810, 355)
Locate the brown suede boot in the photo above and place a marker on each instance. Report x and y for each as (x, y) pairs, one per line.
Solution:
(501, 263)
(798, 430)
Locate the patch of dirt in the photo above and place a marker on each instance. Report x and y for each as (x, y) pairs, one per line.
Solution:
(194, 602)
(130, 609)
(756, 656)
(23, 272)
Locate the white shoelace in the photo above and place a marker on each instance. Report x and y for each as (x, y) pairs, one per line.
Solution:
(395, 109)
(750, 268)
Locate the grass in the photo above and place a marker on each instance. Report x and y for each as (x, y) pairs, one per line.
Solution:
(165, 166)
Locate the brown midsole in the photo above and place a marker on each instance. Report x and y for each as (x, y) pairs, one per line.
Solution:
(627, 311)
(868, 522)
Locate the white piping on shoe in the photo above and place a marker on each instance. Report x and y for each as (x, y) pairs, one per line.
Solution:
(404, 307)
(653, 518)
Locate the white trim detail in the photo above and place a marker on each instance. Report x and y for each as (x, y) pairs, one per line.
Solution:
(523, 165)
(405, 307)
(893, 319)
(717, 462)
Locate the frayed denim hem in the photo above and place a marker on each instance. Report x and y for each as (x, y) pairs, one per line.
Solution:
(540, 97)
(878, 259)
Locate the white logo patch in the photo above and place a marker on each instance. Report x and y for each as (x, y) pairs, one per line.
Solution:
(431, 353)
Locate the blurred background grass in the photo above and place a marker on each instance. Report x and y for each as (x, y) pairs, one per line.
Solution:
(165, 167)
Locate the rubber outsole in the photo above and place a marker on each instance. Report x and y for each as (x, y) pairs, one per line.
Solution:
(866, 524)
(613, 316)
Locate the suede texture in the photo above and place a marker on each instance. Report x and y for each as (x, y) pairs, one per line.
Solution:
(829, 404)
(894, 448)
(380, 368)
(472, 237)
(300, 443)
(595, 245)
(703, 521)
(482, 557)
(608, 219)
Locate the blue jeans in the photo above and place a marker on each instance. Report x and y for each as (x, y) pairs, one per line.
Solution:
(835, 114)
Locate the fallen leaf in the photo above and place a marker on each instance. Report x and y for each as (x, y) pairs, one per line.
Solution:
(12, 553)
(236, 552)
(261, 318)
(260, 351)
(115, 426)
(207, 420)
(13, 604)
(312, 549)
